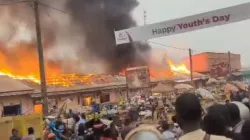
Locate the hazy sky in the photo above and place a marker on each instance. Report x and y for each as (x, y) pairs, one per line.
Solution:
(233, 37)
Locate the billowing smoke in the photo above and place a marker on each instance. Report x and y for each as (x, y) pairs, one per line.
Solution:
(80, 39)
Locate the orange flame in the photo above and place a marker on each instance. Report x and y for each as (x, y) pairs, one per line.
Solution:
(181, 68)
(163, 72)
(22, 63)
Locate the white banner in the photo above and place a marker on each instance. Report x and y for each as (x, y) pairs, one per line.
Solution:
(186, 24)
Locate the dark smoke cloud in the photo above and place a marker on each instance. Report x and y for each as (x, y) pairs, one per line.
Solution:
(80, 40)
(98, 20)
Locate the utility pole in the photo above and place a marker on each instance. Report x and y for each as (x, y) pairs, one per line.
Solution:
(229, 64)
(41, 59)
(191, 66)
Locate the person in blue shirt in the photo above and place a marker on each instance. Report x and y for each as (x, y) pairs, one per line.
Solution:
(95, 107)
(83, 118)
(57, 128)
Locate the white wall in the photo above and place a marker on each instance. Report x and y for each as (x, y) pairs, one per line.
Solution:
(73, 104)
(25, 100)
(116, 96)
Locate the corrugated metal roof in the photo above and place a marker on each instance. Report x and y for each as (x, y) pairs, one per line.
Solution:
(16, 93)
(11, 87)
(8, 85)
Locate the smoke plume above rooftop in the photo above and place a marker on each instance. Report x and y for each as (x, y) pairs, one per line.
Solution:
(78, 35)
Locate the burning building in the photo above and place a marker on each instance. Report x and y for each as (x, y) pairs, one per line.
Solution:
(81, 57)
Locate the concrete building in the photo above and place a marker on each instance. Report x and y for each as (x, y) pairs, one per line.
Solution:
(214, 63)
(15, 97)
(24, 97)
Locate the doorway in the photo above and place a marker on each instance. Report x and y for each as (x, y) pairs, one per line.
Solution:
(105, 98)
(86, 101)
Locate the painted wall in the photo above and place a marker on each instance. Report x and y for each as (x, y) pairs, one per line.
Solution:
(25, 101)
(203, 62)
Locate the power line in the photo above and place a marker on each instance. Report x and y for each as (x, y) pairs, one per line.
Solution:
(167, 46)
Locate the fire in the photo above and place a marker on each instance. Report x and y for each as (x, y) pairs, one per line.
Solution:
(178, 68)
(165, 72)
(21, 62)
(30, 77)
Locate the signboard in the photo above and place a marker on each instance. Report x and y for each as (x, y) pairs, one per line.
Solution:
(219, 70)
(186, 24)
(138, 77)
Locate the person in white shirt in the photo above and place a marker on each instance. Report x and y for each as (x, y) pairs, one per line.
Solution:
(77, 123)
(31, 134)
(244, 110)
(177, 130)
(234, 114)
(188, 116)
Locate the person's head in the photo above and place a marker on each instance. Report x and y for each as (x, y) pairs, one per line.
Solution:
(31, 131)
(110, 118)
(234, 113)
(214, 124)
(176, 125)
(244, 111)
(227, 101)
(165, 126)
(14, 132)
(83, 116)
(174, 119)
(76, 118)
(127, 122)
(188, 109)
(54, 107)
(245, 130)
(220, 110)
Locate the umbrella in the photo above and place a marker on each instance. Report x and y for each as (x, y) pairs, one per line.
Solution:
(211, 81)
(183, 86)
(230, 87)
(160, 88)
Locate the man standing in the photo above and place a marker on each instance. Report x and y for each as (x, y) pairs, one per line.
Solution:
(188, 116)
(31, 134)
(15, 135)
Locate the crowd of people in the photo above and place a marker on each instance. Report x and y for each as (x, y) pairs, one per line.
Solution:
(30, 136)
(225, 121)
(230, 121)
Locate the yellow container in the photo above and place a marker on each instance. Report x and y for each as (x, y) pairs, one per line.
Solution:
(22, 123)
(6, 125)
